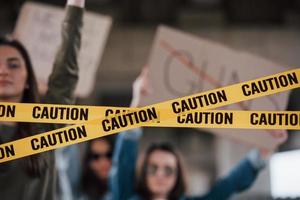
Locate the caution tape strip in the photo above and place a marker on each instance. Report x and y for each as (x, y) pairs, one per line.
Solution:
(189, 111)
(72, 114)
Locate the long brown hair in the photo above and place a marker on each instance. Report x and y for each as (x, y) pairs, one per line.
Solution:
(180, 186)
(36, 164)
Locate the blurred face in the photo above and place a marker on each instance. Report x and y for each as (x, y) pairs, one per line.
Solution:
(161, 173)
(13, 74)
(100, 161)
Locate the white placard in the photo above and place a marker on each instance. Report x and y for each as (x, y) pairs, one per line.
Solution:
(181, 64)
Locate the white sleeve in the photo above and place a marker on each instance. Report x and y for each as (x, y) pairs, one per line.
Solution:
(256, 160)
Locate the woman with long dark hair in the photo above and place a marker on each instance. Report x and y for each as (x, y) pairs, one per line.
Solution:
(163, 161)
(34, 177)
(160, 174)
(95, 170)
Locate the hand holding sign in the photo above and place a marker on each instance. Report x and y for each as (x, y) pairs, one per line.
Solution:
(140, 88)
(280, 136)
(79, 3)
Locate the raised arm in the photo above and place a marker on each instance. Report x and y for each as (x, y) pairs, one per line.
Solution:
(63, 79)
(64, 76)
(240, 178)
(244, 174)
(122, 175)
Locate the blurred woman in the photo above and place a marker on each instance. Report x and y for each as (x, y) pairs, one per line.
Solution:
(161, 171)
(160, 174)
(34, 177)
(96, 167)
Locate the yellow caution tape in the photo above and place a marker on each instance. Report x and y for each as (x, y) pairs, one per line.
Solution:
(190, 111)
(71, 114)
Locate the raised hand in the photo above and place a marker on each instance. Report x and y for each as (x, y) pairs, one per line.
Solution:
(78, 3)
(140, 88)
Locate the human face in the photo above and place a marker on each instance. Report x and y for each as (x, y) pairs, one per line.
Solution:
(100, 160)
(161, 173)
(13, 74)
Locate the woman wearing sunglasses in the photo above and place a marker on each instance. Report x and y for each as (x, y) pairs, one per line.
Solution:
(96, 167)
(34, 177)
(160, 174)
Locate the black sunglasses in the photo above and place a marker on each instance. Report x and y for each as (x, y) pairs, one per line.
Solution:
(96, 156)
(168, 171)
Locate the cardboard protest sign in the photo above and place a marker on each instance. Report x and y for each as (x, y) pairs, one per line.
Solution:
(39, 29)
(181, 64)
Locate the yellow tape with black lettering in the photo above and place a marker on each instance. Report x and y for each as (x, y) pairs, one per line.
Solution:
(99, 128)
(67, 114)
(190, 111)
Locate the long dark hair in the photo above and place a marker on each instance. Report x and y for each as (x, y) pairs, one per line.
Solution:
(91, 185)
(36, 164)
(141, 183)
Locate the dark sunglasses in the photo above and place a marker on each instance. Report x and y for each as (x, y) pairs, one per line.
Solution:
(97, 156)
(167, 170)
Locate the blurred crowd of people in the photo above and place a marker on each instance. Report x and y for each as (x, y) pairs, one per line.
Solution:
(112, 168)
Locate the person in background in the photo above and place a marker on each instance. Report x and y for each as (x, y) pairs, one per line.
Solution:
(34, 177)
(160, 174)
(96, 166)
